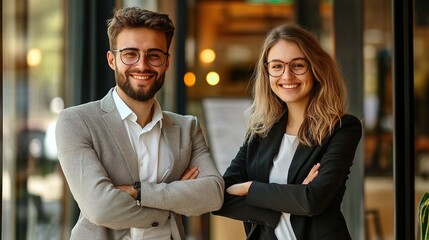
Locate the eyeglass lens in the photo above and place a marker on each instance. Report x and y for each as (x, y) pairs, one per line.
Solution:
(276, 68)
(154, 57)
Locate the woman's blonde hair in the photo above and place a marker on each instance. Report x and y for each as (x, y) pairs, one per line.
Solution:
(328, 101)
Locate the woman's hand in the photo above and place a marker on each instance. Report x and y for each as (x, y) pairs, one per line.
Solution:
(239, 189)
(312, 174)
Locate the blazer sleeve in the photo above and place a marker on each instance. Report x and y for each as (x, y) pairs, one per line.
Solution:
(237, 207)
(93, 190)
(328, 186)
(190, 197)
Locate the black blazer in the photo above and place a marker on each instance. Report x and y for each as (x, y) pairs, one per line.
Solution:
(314, 208)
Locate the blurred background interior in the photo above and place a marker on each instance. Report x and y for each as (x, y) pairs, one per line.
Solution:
(54, 56)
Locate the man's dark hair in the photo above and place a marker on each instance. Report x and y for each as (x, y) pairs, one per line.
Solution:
(134, 17)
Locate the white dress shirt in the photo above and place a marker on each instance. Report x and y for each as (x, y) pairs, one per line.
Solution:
(279, 174)
(154, 158)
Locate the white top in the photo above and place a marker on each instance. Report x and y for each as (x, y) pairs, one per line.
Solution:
(154, 157)
(279, 174)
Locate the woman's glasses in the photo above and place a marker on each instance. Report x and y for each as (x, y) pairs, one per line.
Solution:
(298, 66)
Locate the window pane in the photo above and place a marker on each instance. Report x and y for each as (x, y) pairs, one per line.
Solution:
(34, 42)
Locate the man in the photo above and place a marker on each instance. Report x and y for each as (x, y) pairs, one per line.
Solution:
(132, 168)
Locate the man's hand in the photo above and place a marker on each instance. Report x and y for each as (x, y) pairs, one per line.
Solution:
(190, 173)
(128, 189)
(312, 174)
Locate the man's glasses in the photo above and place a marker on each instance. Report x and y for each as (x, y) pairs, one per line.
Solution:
(130, 56)
(298, 66)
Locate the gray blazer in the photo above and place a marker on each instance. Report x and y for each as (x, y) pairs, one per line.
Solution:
(95, 155)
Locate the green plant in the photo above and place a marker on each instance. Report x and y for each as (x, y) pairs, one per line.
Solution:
(424, 217)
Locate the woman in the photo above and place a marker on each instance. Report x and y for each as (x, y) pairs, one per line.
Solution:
(298, 123)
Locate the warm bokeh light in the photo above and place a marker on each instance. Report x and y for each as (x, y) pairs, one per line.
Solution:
(212, 78)
(189, 79)
(34, 57)
(57, 105)
(207, 55)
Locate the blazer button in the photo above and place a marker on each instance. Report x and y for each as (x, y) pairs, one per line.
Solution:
(155, 224)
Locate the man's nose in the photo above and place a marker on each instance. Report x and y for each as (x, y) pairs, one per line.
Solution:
(142, 62)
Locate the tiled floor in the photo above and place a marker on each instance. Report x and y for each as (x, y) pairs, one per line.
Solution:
(379, 196)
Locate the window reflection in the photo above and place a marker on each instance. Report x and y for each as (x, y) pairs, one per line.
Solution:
(33, 200)
(33, 76)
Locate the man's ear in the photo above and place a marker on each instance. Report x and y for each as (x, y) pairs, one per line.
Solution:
(167, 62)
(111, 59)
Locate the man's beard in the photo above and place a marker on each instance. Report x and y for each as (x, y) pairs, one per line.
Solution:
(141, 95)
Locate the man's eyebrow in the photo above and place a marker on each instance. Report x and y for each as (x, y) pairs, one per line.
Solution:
(129, 48)
(155, 49)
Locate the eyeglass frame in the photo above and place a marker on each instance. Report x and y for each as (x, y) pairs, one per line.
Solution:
(288, 64)
(166, 54)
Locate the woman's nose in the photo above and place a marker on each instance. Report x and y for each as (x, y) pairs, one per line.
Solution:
(287, 74)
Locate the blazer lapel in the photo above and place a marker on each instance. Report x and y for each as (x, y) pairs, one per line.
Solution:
(171, 133)
(268, 149)
(302, 154)
(116, 127)
(272, 146)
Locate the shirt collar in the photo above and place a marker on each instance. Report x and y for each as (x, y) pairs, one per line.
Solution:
(125, 111)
